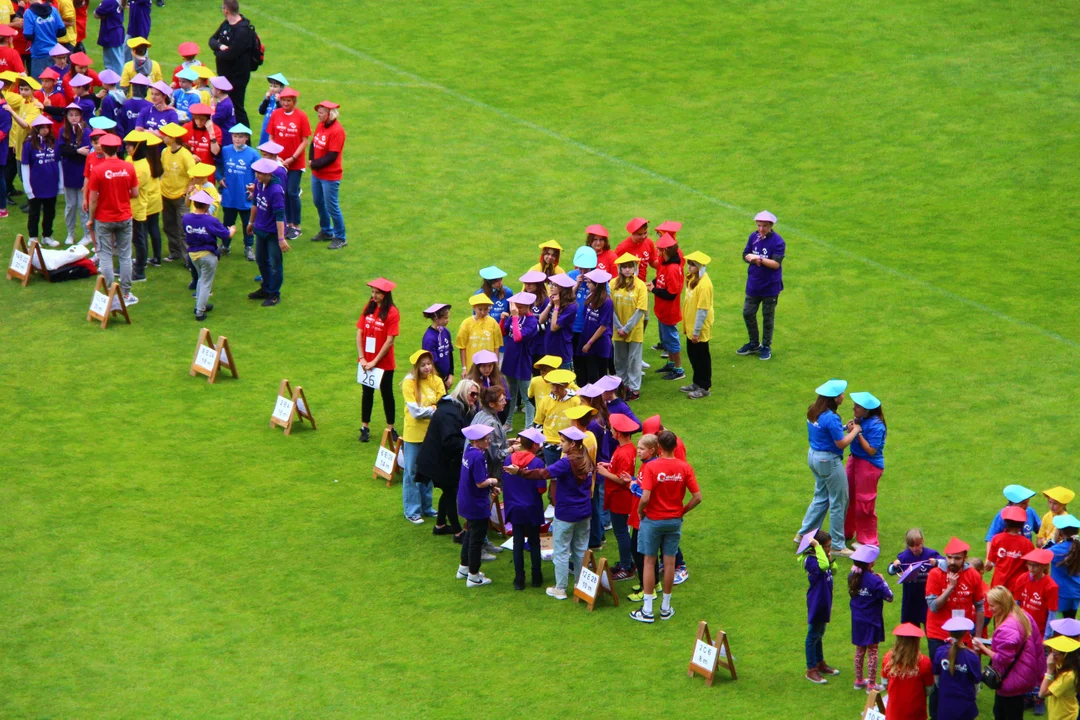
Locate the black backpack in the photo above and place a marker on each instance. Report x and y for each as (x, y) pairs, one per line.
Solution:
(258, 50)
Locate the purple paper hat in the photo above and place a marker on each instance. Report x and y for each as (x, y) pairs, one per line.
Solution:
(221, 83)
(139, 79)
(481, 357)
(598, 276)
(609, 383)
(805, 542)
(1066, 626)
(958, 624)
(433, 308)
(573, 433)
(866, 553)
(41, 121)
(203, 197)
(911, 570)
(533, 434)
(79, 80)
(263, 165)
(533, 276)
(523, 298)
(476, 432)
(590, 391)
(269, 146)
(562, 280)
(108, 77)
(160, 87)
(59, 50)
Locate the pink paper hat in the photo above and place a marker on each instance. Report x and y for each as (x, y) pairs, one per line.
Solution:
(958, 624)
(432, 309)
(866, 553)
(221, 83)
(523, 298)
(608, 382)
(533, 276)
(271, 147)
(805, 542)
(203, 197)
(590, 391)
(532, 434)
(765, 216)
(562, 280)
(598, 276)
(482, 357)
(573, 433)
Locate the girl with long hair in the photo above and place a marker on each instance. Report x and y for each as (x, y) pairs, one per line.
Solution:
(439, 461)
(41, 178)
(421, 390)
(550, 252)
(520, 330)
(868, 592)
(865, 465)
(815, 558)
(1059, 684)
(438, 342)
(667, 287)
(559, 317)
(485, 373)
(957, 672)
(596, 237)
(596, 329)
(630, 302)
(74, 146)
(534, 282)
(908, 673)
(146, 208)
(697, 321)
(376, 331)
(1016, 656)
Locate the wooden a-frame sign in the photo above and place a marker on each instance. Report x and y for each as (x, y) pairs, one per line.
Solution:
(875, 703)
(21, 266)
(498, 519)
(211, 357)
(386, 465)
(104, 305)
(291, 407)
(595, 580)
(710, 654)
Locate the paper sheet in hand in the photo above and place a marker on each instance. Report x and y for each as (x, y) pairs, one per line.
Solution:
(369, 378)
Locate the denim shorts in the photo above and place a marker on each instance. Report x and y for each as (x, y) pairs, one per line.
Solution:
(669, 337)
(661, 535)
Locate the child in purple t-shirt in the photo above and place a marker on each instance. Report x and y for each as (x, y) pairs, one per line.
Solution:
(201, 233)
(869, 592)
(267, 223)
(815, 557)
(764, 254)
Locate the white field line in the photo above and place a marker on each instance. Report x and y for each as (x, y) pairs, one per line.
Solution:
(364, 83)
(789, 229)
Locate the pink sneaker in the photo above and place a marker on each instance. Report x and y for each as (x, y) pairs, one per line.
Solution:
(862, 684)
(3, 214)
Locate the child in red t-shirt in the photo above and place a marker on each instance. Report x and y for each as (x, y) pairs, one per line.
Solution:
(909, 674)
(668, 288)
(596, 237)
(376, 331)
(1008, 548)
(1035, 590)
(618, 500)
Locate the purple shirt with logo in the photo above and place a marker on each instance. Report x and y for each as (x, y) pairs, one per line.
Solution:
(867, 620)
(44, 169)
(522, 499)
(202, 231)
(597, 319)
(762, 281)
(561, 342)
(573, 497)
(474, 503)
(517, 361)
(150, 118)
(439, 343)
(269, 206)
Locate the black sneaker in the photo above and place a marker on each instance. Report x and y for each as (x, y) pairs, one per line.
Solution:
(519, 583)
(748, 349)
(209, 307)
(193, 284)
(292, 233)
(657, 346)
(365, 434)
(666, 368)
(675, 374)
(225, 249)
(444, 530)
(258, 294)
(199, 317)
(321, 237)
(337, 244)
(154, 262)
(271, 301)
(460, 538)
(138, 278)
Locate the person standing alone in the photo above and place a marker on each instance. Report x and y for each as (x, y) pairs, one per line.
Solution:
(764, 255)
(232, 45)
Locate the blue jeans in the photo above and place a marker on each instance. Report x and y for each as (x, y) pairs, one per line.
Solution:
(415, 497)
(112, 58)
(268, 258)
(830, 495)
(37, 65)
(815, 654)
(292, 197)
(551, 454)
(238, 217)
(596, 528)
(324, 193)
(622, 536)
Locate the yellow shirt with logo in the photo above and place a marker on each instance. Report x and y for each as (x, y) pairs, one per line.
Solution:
(700, 298)
(431, 389)
(551, 414)
(474, 336)
(626, 301)
(174, 179)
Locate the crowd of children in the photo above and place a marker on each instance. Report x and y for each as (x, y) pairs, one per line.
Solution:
(1030, 601)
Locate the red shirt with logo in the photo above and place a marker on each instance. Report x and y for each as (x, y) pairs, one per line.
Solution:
(328, 139)
(669, 277)
(373, 333)
(667, 480)
(113, 179)
(1005, 552)
(11, 60)
(290, 131)
(618, 498)
(199, 142)
(644, 251)
(969, 590)
(1038, 597)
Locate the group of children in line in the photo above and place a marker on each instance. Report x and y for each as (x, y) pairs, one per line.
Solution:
(1033, 593)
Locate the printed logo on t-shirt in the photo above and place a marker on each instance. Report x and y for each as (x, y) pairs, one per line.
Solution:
(962, 667)
(193, 230)
(110, 174)
(1015, 554)
(665, 477)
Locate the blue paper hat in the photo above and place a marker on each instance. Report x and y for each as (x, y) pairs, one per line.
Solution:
(866, 400)
(1068, 520)
(240, 128)
(833, 388)
(102, 123)
(1017, 493)
(278, 78)
(491, 273)
(585, 257)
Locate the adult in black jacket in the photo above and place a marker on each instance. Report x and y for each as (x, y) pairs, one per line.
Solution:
(440, 454)
(232, 44)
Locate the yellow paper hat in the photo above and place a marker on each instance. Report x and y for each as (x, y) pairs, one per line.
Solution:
(1062, 643)
(137, 41)
(34, 84)
(551, 361)
(627, 258)
(203, 71)
(201, 170)
(579, 411)
(551, 244)
(699, 257)
(560, 377)
(172, 130)
(1060, 494)
(152, 140)
(415, 357)
(9, 76)
(136, 136)
(480, 299)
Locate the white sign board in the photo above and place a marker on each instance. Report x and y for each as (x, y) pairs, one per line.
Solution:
(588, 582)
(873, 714)
(385, 460)
(20, 262)
(369, 378)
(100, 304)
(704, 656)
(205, 358)
(283, 409)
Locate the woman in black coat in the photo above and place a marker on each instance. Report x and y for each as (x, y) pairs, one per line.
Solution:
(440, 454)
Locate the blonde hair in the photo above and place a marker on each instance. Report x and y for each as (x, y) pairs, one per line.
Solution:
(904, 658)
(650, 442)
(1000, 597)
(331, 115)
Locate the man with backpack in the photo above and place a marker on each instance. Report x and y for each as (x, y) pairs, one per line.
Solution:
(238, 50)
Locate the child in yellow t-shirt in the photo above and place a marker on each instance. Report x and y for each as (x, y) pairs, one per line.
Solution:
(1059, 683)
(1058, 499)
(630, 300)
(550, 252)
(697, 318)
(478, 332)
(176, 161)
(199, 176)
(29, 110)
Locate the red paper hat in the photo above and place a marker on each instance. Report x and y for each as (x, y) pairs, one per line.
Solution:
(908, 630)
(666, 241)
(111, 140)
(326, 104)
(187, 49)
(8, 31)
(200, 109)
(598, 230)
(622, 423)
(382, 284)
(652, 425)
(81, 58)
(634, 225)
(956, 546)
(288, 92)
(1014, 513)
(1041, 556)
(48, 74)
(98, 132)
(669, 226)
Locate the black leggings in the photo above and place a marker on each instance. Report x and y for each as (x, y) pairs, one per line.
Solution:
(592, 369)
(473, 546)
(45, 210)
(447, 513)
(701, 361)
(523, 532)
(367, 399)
(143, 228)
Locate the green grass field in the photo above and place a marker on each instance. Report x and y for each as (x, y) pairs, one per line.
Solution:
(166, 554)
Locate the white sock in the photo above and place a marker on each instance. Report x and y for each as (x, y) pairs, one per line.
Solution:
(474, 578)
(665, 604)
(647, 609)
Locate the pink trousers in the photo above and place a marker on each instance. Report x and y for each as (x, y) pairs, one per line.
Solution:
(861, 520)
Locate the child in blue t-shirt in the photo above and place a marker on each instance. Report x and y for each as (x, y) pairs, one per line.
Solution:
(237, 175)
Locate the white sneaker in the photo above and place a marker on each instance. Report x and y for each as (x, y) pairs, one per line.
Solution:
(477, 580)
(86, 241)
(415, 519)
(69, 240)
(486, 557)
(645, 365)
(462, 572)
(130, 300)
(51, 243)
(31, 240)
(491, 548)
(557, 592)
